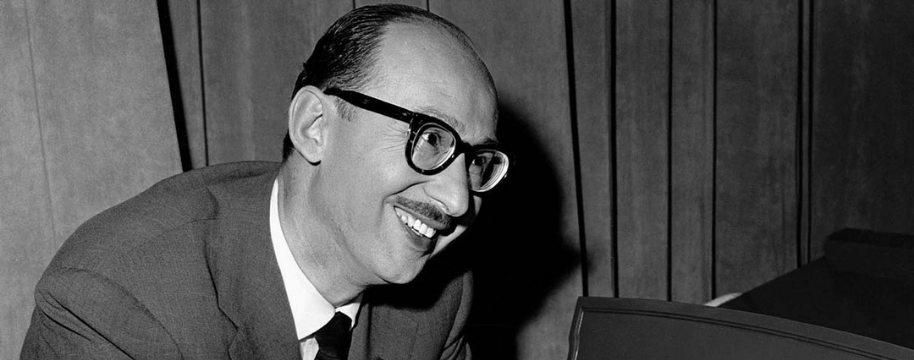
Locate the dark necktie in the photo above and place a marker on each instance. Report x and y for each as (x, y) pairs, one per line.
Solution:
(333, 339)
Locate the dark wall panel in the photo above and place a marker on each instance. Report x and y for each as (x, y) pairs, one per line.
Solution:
(642, 150)
(862, 171)
(692, 151)
(591, 22)
(756, 164)
(804, 128)
(528, 237)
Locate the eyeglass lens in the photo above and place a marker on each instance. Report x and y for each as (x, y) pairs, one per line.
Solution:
(434, 145)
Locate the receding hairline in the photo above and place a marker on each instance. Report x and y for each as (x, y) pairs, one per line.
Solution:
(442, 26)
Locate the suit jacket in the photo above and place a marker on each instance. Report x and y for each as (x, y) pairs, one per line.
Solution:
(186, 270)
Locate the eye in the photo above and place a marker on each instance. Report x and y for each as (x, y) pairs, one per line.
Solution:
(478, 164)
(480, 161)
(432, 138)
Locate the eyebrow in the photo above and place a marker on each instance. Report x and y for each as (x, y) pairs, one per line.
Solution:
(430, 111)
(459, 126)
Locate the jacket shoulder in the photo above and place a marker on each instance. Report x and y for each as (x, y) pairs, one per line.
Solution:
(181, 202)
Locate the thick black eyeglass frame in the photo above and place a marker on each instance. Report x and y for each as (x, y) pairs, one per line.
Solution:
(415, 121)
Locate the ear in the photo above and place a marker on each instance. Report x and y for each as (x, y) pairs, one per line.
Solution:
(307, 124)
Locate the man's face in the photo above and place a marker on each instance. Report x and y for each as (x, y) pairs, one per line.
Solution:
(373, 197)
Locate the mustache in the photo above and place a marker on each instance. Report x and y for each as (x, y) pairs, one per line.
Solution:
(428, 210)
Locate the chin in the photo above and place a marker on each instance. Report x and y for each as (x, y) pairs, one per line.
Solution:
(401, 279)
(406, 274)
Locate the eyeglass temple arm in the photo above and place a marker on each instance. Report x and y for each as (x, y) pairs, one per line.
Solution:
(371, 104)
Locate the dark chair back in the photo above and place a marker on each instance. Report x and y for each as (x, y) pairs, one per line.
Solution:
(621, 329)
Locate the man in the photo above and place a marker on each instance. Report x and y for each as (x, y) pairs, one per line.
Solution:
(261, 260)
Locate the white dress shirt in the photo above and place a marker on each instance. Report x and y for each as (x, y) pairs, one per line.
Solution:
(309, 309)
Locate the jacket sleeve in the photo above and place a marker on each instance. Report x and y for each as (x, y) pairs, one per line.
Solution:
(456, 347)
(80, 314)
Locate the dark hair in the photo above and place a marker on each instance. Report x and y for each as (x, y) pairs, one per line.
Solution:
(346, 53)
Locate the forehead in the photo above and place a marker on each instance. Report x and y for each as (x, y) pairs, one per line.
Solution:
(426, 70)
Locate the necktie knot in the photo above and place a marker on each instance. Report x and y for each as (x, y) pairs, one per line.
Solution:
(333, 338)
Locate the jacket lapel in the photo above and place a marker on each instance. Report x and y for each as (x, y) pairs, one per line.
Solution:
(382, 333)
(248, 281)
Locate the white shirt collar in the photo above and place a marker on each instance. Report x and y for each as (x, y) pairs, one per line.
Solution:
(310, 310)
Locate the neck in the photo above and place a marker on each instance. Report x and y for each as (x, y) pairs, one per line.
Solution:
(312, 243)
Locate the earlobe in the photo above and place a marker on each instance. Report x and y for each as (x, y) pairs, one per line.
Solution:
(306, 124)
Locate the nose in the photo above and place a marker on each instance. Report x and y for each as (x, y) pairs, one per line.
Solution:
(449, 188)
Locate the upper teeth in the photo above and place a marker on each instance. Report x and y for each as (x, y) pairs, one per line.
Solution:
(417, 225)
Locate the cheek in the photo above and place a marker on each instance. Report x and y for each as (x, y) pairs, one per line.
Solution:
(391, 166)
(367, 159)
(374, 177)
(388, 153)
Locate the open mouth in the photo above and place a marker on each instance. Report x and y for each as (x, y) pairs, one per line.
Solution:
(414, 224)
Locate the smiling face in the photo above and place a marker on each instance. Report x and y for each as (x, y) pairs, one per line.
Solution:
(386, 218)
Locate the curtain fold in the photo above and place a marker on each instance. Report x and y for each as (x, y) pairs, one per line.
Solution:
(87, 123)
